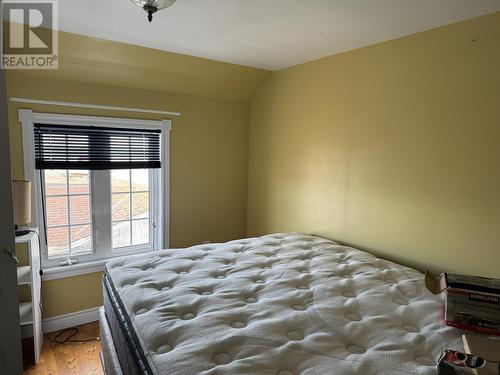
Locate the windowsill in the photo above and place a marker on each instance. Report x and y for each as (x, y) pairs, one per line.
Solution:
(60, 272)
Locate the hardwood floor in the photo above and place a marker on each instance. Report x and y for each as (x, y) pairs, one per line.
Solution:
(70, 358)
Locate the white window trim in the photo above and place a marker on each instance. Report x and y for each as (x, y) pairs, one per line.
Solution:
(60, 272)
(28, 118)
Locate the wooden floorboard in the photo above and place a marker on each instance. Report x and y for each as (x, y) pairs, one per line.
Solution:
(70, 358)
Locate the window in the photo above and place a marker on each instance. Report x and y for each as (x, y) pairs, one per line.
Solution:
(72, 224)
(68, 212)
(130, 207)
(98, 187)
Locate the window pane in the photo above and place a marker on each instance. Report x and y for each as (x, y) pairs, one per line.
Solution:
(121, 206)
(58, 241)
(140, 205)
(63, 236)
(79, 182)
(120, 180)
(121, 234)
(140, 232)
(55, 182)
(140, 179)
(57, 210)
(80, 209)
(81, 240)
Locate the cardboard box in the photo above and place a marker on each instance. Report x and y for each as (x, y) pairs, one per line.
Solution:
(471, 302)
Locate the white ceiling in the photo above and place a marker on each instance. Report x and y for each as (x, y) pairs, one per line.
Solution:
(269, 34)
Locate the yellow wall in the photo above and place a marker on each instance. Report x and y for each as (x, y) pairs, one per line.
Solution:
(209, 142)
(71, 294)
(392, 148)
(85, 59)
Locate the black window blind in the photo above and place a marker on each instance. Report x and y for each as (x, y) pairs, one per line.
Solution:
(92, 147)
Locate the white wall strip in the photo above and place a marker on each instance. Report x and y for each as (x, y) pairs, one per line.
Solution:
(57, 323)
(93, 106)
(77, 318)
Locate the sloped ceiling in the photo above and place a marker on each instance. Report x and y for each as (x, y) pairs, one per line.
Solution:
(268, 34)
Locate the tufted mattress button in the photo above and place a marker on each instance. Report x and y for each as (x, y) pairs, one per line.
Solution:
(222, 358)
(238, 324)
(299, 307)
(400, 301)
(353, 317)
(425, 361)
(284, 372)
(251, 300)
(163, 349)
(302, 286)
(188, 316)
(259, 281)
(205, 292)
(349, 295)
(141, 311)
(166, 287)
(354, 349)
(294, 335)
(410, 328)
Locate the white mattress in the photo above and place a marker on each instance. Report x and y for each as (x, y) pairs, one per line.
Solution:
(109, 359)
(281, 304)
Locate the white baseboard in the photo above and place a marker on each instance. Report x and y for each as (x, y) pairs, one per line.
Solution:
(77, 318)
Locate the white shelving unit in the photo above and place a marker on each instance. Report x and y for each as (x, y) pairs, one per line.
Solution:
(26, 313)
(28, 275)
(23, 275)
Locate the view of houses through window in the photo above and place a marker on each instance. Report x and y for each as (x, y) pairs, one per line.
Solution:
(68, 210)
(130, 207)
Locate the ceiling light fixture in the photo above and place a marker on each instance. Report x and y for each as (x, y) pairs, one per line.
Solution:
(152, 6)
